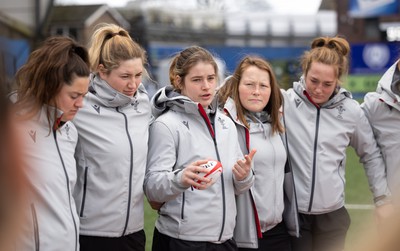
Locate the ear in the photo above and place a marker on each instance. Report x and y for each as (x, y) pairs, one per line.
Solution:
(102, 71)
(178, 82)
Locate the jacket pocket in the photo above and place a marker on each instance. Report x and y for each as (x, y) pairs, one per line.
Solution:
(183, 206)
(85, 179)
(35, 228)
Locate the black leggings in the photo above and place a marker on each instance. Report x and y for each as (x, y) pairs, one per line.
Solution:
(131, 242)
(275, 239)
(162, 242)
(322, 232)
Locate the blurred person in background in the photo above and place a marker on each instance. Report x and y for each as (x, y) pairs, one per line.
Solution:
(322, 120)
(112, 148)
(382, 109)
(12, 184)
(196, 213)
(252, 99)
(49, 92)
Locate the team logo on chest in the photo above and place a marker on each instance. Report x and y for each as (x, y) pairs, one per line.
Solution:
(97, 108)
(340, 110)
(32, 134)
(222, 122)
(135, 105)
(186, 123)
(67, 131)
(297, 101)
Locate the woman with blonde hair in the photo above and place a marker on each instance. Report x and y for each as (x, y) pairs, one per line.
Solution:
(112, 148)
(322, 120)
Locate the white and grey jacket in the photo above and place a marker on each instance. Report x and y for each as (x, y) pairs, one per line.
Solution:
(183, 133)
(52, 222)
(111, 160)
(318, 137)
(262, 207)
(382, 109)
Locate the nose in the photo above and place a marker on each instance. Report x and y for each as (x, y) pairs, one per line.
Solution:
(256, 90)
(79, 102)
(206, 85)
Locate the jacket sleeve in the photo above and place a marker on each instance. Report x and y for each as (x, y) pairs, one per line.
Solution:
(367, 149)
(162, 182)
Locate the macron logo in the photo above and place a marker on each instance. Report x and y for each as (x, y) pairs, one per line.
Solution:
(186, 123)
(297, 101)
(97, 108)
(33, 135)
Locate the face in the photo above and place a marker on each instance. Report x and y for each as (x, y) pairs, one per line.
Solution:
(126, 78)
(254, 89)
(200, 84)
(321, 82)
(70, 98)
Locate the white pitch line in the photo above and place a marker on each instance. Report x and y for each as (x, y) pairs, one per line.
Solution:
(359, 206)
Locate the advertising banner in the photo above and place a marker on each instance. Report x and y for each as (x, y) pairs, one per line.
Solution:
(373, 8)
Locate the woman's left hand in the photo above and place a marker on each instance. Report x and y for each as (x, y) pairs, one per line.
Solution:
(243, 166)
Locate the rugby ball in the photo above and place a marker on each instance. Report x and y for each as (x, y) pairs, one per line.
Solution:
(215, 170)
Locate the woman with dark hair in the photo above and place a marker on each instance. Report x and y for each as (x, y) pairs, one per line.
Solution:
(50, 90)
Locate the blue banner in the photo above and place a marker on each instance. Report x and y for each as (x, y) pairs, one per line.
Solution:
(373, 8)
(373, 58)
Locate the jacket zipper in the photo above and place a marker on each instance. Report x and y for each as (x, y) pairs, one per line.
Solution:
(128, 211)
(68, 188)
(253, 203)
(314, 169)
(211, 129)
(35, 228)
(84, 191)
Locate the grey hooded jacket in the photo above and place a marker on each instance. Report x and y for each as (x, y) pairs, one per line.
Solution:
(111, 160)
(52, 222)
(318, 137)
(382, 108)
(262, 208)
(184, 133)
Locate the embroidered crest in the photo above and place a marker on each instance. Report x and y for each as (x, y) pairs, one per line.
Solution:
(135, 105)
(222, 122)
(32, 133)
(67, 131)
(340, 110)
(97, 108)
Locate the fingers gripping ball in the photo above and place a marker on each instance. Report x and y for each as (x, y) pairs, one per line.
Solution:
(215, 170)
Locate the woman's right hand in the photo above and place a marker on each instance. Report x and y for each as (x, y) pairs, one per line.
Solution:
(190, 175)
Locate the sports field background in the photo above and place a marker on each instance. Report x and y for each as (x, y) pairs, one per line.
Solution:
(358, 199)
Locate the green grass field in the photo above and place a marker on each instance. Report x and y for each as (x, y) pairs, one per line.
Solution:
(357, 192)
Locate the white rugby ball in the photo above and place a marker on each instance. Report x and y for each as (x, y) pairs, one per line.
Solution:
(215, 170)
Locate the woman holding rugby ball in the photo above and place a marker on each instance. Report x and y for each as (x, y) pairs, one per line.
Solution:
(188, 132)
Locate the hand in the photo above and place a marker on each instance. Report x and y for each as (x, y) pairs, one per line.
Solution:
(243, 166)
(190, 175)
(383, 213)
(156, 205)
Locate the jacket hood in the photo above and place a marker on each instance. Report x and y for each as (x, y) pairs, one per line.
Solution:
(390, 82)
(108, 95)
(299, 88)
(167, 98)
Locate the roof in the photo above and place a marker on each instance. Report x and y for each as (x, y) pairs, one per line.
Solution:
(83, 14)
